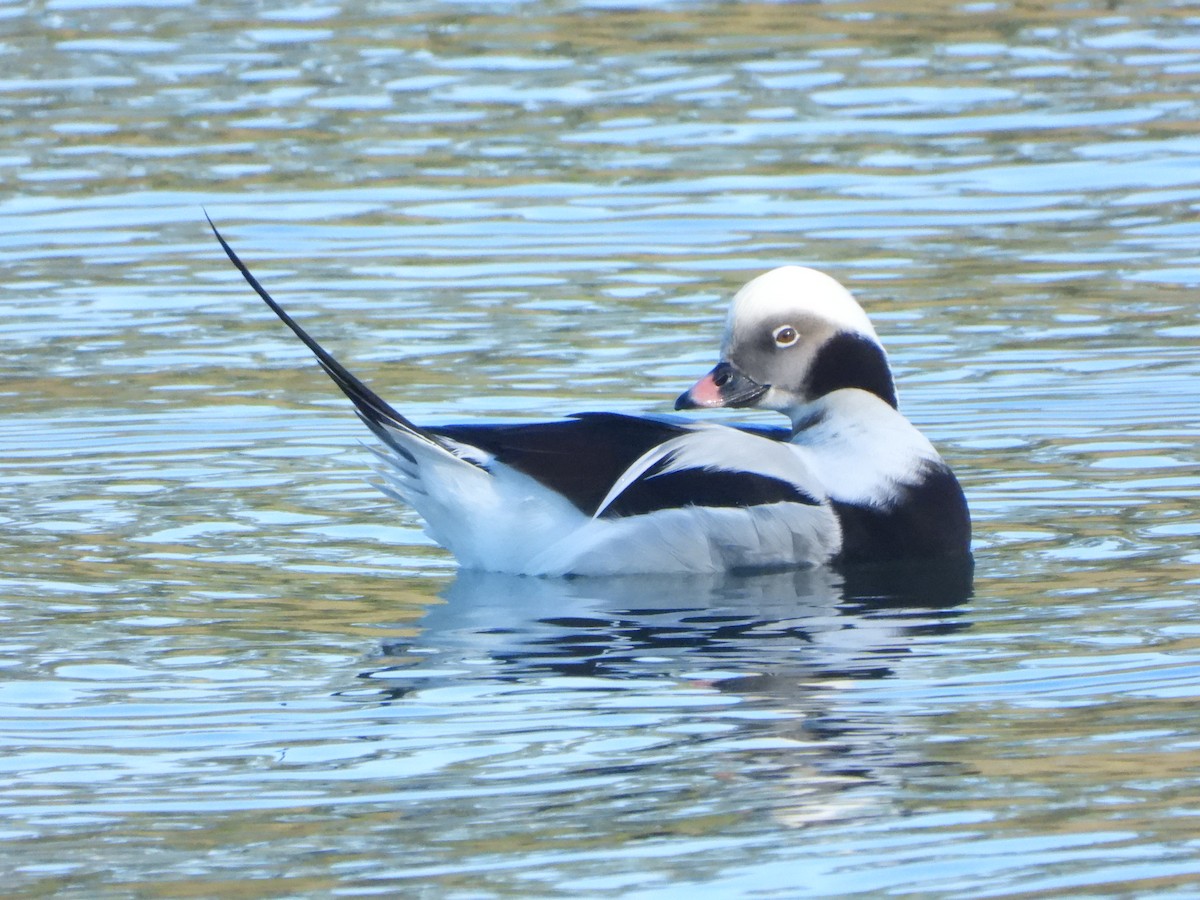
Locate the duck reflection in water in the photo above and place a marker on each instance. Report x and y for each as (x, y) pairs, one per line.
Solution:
(783, 647)
(818, 621)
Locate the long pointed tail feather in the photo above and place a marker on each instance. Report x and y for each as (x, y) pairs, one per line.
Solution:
(376, 412)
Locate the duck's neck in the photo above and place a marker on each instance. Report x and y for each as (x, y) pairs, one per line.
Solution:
(861, 448)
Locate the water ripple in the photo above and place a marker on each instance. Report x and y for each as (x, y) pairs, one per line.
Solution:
(229, 662)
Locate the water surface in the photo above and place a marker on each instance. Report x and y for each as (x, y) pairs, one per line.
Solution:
(232, 666)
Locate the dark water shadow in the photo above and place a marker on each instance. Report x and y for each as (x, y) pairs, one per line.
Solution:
(814, 623)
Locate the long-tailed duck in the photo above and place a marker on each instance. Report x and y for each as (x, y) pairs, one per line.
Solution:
(603, 493)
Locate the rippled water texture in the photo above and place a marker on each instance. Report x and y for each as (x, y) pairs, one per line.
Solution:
(232, 668)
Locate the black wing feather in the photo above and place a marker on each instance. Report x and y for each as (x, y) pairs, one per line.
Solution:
(657, 490)
(584, 456)
(581, 457)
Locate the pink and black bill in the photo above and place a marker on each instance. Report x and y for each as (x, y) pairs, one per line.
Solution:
(723, 386)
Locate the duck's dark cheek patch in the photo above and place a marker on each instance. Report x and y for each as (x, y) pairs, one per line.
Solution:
(851, 361)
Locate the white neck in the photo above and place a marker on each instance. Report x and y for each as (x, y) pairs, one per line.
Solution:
(859, 447)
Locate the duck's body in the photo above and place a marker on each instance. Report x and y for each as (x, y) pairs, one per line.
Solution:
(603, 494)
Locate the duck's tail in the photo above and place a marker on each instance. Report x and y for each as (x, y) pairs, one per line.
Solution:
(488, 514)
(397, 432)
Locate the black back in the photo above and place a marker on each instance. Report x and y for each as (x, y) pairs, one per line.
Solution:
(581, 457)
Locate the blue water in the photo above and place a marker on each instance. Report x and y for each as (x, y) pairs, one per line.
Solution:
(232, 667)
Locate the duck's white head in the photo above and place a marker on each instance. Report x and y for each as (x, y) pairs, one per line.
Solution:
(793, 335)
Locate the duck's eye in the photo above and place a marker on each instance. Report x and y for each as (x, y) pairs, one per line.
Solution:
(785, 336)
